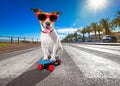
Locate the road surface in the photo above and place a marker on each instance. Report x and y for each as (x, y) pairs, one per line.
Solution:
(82, 65)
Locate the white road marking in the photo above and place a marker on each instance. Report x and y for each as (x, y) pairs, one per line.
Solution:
(93, 66)
(15, 66)
(99, 49)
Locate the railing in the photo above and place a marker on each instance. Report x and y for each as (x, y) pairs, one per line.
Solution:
(18, 40)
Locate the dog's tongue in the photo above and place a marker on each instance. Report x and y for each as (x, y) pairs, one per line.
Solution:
(47, 30)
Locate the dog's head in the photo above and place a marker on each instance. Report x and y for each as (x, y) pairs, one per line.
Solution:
(46, 19)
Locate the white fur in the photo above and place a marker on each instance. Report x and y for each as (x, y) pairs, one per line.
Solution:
(51, 45)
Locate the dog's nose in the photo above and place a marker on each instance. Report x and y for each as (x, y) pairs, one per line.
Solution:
(47, 23)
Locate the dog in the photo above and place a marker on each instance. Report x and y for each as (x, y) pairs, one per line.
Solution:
(50, 41)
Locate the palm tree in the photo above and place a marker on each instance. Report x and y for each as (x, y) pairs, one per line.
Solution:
(88, 30)
(99, 29)
(94, 27)
(83, 31)
(107, 25)
(118, 14)
(68, 38)
(116, 20)
(75, 36)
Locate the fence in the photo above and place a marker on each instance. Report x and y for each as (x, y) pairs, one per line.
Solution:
(18, 40)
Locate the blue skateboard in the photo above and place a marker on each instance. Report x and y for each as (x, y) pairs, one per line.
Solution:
(48, 64)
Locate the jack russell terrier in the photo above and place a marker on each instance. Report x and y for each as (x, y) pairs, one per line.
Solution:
(50, 41)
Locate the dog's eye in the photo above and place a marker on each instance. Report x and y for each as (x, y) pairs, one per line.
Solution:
(53, 17)
(41, 16)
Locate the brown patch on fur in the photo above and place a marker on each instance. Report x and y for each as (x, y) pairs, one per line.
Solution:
(56, 13)
(36, 10)
(39, 11)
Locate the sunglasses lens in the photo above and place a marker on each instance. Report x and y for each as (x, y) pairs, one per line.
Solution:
(42, 17)
(53, 17)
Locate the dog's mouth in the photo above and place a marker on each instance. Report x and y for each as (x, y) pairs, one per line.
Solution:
(47, 29)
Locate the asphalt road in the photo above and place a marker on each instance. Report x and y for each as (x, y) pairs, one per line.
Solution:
(82, 65)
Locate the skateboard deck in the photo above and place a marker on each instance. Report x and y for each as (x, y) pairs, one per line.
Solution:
(43, 62)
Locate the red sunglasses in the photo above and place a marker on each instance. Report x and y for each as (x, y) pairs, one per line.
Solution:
(43, 17)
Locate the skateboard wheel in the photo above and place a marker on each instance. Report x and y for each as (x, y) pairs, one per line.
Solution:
(40, 67)
(51, 68)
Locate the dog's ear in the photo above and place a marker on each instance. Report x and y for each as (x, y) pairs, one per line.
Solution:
(36, 10)
(57, 13)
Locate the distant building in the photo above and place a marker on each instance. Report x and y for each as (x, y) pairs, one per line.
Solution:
(97, 36)
(117, 34)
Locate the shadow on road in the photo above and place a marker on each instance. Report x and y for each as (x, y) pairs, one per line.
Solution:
(29, 78)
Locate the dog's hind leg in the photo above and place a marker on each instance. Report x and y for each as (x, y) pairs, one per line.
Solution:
(59, 52)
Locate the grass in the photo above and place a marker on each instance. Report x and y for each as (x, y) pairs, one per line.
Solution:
(4, 44)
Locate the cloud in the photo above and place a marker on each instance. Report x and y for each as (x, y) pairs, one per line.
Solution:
(65, 31)
(61, 36)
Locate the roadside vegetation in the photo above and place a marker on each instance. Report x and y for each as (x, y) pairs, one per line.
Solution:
(99, 29)
(4, 44)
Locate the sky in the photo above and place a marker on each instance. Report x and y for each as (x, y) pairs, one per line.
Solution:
(16, 18)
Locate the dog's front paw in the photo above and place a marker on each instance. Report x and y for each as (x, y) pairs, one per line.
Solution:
(45, 58)
(53, 59)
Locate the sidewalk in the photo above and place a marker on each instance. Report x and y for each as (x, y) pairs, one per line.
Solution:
(111, 44)
(17, 47)
(100, 43)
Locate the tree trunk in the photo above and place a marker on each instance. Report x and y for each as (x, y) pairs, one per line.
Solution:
(83, 38)
(105, 31)
(89, 35)
(95, 35)
(99, 35)
(109, 32)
